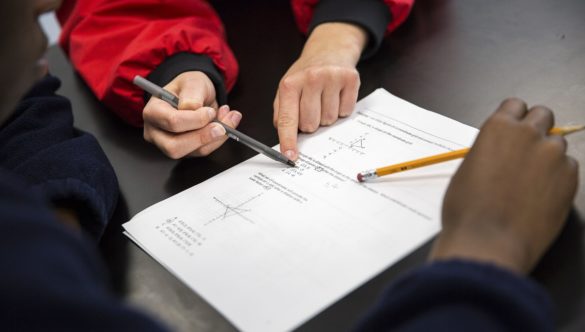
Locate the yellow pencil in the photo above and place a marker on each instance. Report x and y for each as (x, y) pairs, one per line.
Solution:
(566, 130)
(439, 158)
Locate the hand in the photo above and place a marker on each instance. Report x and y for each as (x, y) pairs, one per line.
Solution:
(188, 131)
(509, 199)
(321, 85)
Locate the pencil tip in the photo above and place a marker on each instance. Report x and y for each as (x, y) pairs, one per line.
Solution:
(291, 163)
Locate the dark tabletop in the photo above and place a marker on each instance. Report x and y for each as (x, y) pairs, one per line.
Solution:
(456, 58)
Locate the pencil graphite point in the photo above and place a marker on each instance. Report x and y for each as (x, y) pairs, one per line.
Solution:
(291, 163)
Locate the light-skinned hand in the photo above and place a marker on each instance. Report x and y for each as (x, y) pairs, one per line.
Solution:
(509, 199)
(321, 86)
(188, 131)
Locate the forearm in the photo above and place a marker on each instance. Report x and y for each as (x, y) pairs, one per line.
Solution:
(337, 43)
(376, 17)
(143, 42)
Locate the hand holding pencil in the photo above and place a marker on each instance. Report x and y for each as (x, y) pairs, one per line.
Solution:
(167, 97)
(511, 195)
(190, 131)
(443, 157)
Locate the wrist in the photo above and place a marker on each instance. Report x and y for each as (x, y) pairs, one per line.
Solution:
(183, 62)
(500, 249)
(337, 42)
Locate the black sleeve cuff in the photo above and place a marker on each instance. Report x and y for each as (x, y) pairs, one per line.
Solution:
(183, 62)
(372, 15)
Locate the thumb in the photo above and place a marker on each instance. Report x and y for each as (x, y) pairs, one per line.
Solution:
(195, 90)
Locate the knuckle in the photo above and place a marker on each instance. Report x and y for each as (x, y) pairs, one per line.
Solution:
(351, 75)
(329, 118)
(512, 101)
(344, 113)
(205, 137)
(346, 110)
(285, 120)
(287, 84)
(542, 112)
(190, 104)
(205, 151)
(530, 131)
(573, 166)
(172, 122)
(202, 117)
(146, 135)
(554, 147)
(171, 149)
(314, 75)
(541, 108)
(512, 104)
(496, 121)
(147, 113)
(308, 126)
(275, 115)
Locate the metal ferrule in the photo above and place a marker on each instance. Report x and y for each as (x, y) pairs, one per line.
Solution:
(369, 174)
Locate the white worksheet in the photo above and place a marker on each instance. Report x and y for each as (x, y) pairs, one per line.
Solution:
(270, 246)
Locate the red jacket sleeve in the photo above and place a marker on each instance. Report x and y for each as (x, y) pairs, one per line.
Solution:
(304, 10)
(109, 42)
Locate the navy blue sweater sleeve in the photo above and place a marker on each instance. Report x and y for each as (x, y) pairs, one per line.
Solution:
(51, 278)
(40, 144)
(461, 296)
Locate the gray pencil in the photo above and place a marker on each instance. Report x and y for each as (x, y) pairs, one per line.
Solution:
(248, 141)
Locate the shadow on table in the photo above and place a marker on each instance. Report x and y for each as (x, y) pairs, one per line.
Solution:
(191, 171)
(562, 273)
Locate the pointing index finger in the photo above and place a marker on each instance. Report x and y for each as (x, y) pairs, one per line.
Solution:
(288, 118)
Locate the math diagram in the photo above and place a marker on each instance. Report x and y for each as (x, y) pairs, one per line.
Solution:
(238, 210)
(356, 146)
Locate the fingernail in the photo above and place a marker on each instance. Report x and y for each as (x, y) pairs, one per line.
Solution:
(217, 131)
(211, 113)
(290, 154)
(235, 118)
(224, 108)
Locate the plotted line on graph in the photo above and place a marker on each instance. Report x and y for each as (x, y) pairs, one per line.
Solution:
(231, 210)
(356, 145)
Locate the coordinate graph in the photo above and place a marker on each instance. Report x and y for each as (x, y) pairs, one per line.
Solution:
(230, 210)
(355, 146)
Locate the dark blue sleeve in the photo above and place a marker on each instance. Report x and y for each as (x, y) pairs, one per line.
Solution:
(40, 144)
(461, 296)
(51, 278)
